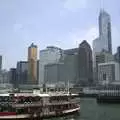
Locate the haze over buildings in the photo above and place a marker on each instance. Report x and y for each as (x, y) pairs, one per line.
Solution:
(62, 23)
(51, 28)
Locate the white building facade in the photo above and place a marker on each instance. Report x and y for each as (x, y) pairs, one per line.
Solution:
(47, 56)
(108, 72)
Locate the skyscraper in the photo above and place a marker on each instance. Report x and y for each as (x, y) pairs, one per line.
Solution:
(105, 31)
(85, 64)
(32, 64)
(104, 41)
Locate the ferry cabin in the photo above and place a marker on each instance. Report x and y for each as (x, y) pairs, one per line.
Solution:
(36, 104)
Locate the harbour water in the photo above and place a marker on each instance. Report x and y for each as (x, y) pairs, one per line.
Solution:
(90, 110)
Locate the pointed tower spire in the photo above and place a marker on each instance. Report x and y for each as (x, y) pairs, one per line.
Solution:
(101, 5)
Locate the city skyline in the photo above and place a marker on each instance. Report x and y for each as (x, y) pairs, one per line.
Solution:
(67, 26)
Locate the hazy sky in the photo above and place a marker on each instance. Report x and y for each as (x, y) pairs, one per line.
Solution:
(64, 23)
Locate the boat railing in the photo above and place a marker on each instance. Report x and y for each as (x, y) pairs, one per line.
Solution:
(27, 104)
(40, 104)
(61, 103)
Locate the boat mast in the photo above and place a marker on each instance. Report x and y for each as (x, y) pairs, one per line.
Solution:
(68, 87)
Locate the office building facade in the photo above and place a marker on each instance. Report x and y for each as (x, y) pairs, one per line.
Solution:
(49, 55)
(32, 64)
(71, 68)
(4, 77)
(101, 57)
(22, 72)
(13, 77)
(54, 74)
(108, 72)
(63, 71)
(85, 64)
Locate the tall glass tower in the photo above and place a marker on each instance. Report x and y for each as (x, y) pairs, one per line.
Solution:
(105, 31)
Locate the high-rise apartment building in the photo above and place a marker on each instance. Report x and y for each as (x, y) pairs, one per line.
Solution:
(85, 64)
(105, 31)
(32, 64)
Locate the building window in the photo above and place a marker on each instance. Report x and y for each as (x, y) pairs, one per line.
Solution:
(104, 76)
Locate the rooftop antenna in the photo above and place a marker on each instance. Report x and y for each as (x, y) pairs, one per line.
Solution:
(68, 87)
(101, 5)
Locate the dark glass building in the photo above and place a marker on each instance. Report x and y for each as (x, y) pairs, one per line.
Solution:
(13, 77)
(22, 72)
(85, 64)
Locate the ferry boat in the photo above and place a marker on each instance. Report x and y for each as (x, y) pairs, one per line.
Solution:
(36, 105)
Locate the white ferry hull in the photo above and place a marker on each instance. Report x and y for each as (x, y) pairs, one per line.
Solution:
(28, 116)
